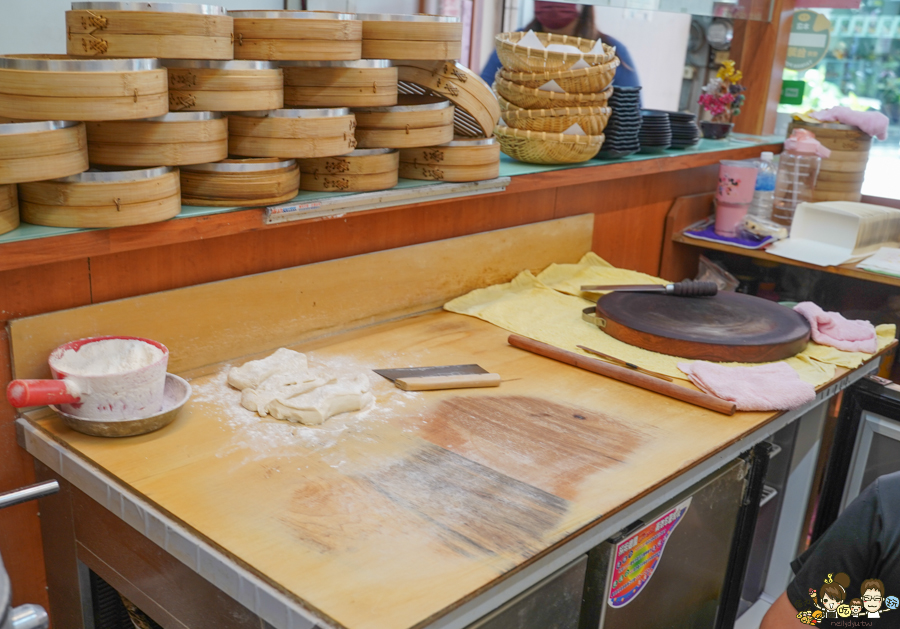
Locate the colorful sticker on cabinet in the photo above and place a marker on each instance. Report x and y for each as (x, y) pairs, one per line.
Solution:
(638, 555)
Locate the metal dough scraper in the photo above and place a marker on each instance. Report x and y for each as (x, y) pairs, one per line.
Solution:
(444, 377)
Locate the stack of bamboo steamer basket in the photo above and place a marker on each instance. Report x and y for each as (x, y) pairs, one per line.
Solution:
(841, 175)
(148, 88)
(537, 121)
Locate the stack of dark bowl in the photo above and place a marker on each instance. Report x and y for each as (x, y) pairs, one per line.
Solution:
(685, 132)
(624, 124)
(656, 131)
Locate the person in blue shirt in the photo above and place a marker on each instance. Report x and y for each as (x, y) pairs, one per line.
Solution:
(571, 19)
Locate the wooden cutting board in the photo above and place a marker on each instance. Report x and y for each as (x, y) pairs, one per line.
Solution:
(730, 327)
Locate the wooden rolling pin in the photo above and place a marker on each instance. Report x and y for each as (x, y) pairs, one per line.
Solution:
(624, 375)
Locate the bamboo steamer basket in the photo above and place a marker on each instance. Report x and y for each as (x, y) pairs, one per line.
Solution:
(415, 121)
(296, 35)
(149, 29)
(592, 120)
(582, 80)
(240, 182)
(56, 87)
(296, 133)
(463, 159)
(363, 83)
(547, 148)
(523, 59)
(531, 98)
(421, 36)
(34, 151)
(477, 111)
(9, 208)
(175, 139)
(224, 85)
(841, 175)
(103, 199)
(363, 170)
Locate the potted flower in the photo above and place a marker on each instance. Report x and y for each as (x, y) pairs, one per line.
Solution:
(721, 101)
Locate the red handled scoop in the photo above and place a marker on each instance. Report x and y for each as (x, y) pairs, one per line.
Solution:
(22, 393)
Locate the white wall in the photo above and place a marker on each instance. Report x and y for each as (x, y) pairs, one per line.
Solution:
(657, 43)
(39, 26)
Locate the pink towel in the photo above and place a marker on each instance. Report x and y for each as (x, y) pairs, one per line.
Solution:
(770, 387)
(871, 122)
(831, 328)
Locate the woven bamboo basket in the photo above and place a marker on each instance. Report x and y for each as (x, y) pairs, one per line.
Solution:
(415, 121)
(463, 159)
(581, 81)
(224, 85)
(176, 139)
(9, 208)
(592, 120)
(363, 170)
(56, 87)
(102, 199)
(395, 36)
(240, 182)
(477, 111)
(295, 133)
(296, 35)
(547, 148)
(531, 98)
(522, 59)
(149, 29)
(841, 175)
(34, 151)
(363, 83)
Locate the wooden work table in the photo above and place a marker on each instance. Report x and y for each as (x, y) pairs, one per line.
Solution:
(428, 511)
(50, 270)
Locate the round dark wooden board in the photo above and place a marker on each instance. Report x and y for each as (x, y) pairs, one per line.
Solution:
(730, 327)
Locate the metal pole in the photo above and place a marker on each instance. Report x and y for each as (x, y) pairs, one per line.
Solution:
(32, 492)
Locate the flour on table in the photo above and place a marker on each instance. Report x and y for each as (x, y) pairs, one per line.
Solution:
(282, 385)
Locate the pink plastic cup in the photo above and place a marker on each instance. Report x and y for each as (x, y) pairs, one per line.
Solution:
(737, 182)
(728, 217)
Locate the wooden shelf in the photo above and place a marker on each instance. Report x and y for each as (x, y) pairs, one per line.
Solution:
(16, 254)
(846, 270)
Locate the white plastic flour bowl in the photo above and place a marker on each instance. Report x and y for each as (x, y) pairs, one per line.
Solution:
(103, 378)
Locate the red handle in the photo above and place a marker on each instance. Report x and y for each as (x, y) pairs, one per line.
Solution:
(22, 393)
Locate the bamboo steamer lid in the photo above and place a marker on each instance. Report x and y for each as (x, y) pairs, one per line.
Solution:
(296, 133)
(103, 199)
(34, 151)
(149, 29)
(9, 208)
(240, 182)
(56, 87)
(477, 110)
(363, 170)
(362, 83)
(415, 121)
(296, 35)
(464, 159)
(175, 139)
(841, 175)
(421, 36)
(224, 85)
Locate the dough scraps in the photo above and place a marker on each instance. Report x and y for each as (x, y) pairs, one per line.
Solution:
(281, 385)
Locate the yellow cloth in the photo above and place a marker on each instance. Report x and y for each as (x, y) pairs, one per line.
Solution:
(530, 307)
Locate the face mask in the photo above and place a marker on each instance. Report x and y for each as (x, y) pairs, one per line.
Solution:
(555, 15)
